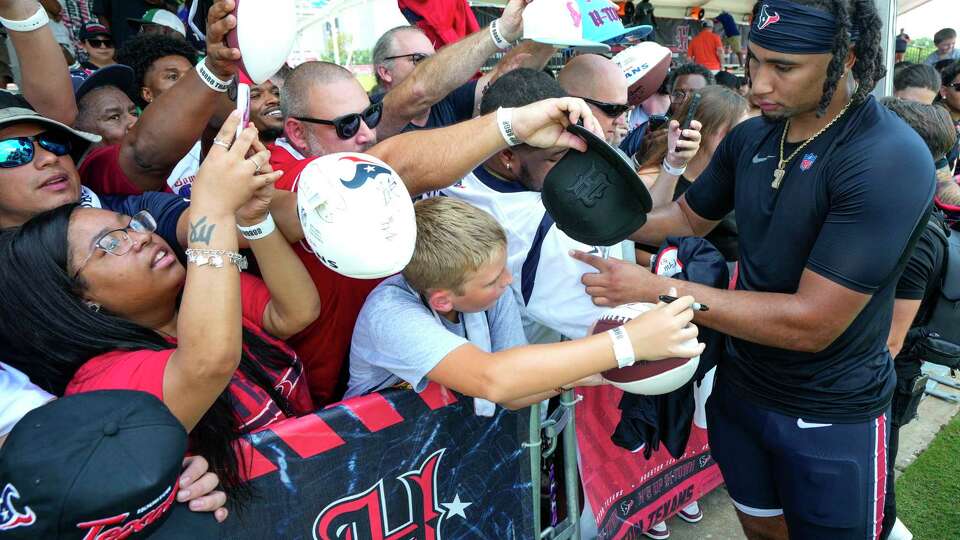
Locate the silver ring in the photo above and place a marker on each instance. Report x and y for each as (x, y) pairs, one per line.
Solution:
(257, 165)
(218, 142)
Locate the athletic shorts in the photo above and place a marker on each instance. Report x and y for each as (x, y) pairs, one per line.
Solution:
(827, 480)
(733, 42)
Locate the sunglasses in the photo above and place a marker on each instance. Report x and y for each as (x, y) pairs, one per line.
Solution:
(613, 110)
(349, 124)
(415, 58)
(101, 43)
(955, 86)
(18, 151)
(117, 242)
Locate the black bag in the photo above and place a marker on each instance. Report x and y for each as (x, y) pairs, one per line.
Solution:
(937, 338)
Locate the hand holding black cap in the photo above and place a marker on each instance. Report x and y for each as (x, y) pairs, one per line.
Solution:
(102, 464)
(595, 196)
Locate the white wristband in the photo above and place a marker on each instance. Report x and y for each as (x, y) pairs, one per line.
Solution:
(505, 123)
(260, 230)
(622, 347)
(675, 171)
(210, 79)
(498, 39)
(35, 21)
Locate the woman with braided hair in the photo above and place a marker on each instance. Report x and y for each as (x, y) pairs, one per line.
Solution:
(831, 191)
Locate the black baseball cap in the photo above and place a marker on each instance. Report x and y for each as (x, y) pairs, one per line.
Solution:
(117, 75)
(102, 464)
(595, 196)
(93, 29)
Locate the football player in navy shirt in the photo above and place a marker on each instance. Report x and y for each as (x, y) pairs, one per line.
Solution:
(831, 191)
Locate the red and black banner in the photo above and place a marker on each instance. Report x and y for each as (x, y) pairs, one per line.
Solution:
(628, 494)
(394, 465)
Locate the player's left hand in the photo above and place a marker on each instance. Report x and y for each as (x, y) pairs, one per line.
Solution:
(618, 282)
(198, 488)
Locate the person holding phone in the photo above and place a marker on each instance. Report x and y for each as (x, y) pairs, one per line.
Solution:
(719, 110)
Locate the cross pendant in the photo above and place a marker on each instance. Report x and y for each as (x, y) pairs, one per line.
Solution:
(777, 178)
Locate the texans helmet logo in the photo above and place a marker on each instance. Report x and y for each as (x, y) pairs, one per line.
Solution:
(363, 171)
(766, 19)
(10, 517)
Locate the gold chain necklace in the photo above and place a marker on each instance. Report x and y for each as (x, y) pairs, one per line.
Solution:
(782, 166)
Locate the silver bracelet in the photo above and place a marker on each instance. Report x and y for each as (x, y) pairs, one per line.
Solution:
(35, 21)
(260, 230)
(216, 258)
(498, 39)
(211, 80)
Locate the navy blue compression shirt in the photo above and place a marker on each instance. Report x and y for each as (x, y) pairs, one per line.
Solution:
(850, 208)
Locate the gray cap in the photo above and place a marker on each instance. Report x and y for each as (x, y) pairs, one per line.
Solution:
(19, 115)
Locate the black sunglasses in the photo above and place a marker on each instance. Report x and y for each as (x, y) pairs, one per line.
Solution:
(955, 86)
(17, 151)
(349, 124)
(100, 43)
(415, 58)
(613, 110)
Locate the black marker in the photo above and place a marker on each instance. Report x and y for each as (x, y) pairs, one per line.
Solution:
(696, 305)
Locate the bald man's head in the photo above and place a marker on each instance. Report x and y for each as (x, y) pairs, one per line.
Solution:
(596, 78)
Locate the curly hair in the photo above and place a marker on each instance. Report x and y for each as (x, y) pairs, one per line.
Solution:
(142, 50)
(850, 15)
(689, 69)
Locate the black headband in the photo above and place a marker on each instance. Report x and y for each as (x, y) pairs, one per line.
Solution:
(792, 28)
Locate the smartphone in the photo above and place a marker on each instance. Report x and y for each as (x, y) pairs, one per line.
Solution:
(243, 106)
(657, 121)
(691, 111)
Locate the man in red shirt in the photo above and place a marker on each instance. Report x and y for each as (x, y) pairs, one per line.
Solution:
(325, 110)
(706, 48)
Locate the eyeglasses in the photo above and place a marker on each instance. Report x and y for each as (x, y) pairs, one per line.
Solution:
(415, 58)
(680, 95)
(954, 86)
(17, 151)
(613, 110)
(101, 43)
(117, 242)
(349, 124)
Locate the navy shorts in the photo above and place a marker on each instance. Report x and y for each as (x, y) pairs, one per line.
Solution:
(827, 480)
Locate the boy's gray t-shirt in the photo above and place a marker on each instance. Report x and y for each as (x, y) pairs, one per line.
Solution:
(398, 338)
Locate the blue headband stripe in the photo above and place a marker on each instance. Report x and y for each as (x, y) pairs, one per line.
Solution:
(791, 28)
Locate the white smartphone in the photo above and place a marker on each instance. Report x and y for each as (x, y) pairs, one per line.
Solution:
(243, 106)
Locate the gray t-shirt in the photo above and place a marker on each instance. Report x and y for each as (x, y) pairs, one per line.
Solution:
(398, 338)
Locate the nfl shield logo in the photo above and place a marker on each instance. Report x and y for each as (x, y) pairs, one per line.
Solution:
(807, 161)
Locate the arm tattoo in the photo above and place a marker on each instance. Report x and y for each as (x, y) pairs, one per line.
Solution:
(201, 231)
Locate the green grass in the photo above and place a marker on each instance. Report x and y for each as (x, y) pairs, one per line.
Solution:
(928, 491)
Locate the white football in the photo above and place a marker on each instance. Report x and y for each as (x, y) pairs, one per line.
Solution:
(645, 66)
(645, 378)
(265, 34)
(357, 215)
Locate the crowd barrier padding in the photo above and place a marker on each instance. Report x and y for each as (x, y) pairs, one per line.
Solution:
(393, 465)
